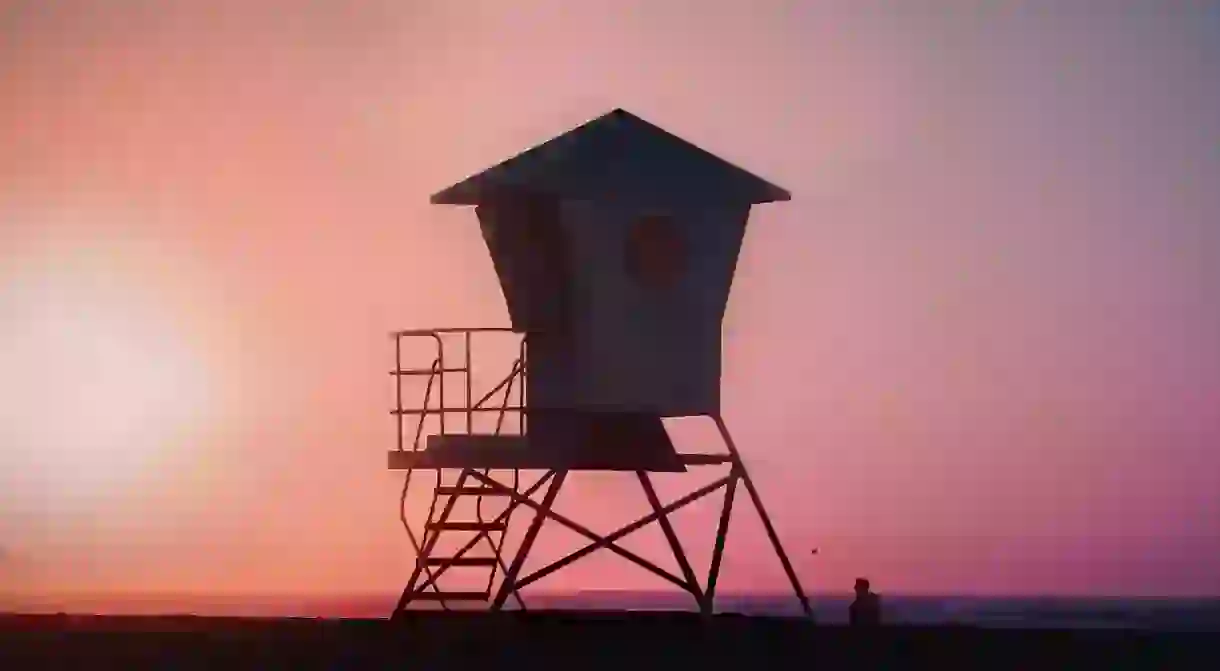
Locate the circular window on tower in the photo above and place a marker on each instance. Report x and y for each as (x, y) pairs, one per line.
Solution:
(655, 254)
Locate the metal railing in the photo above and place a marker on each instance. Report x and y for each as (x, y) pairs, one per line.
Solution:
(437, 373)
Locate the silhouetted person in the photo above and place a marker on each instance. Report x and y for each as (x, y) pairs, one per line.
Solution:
(866, 609)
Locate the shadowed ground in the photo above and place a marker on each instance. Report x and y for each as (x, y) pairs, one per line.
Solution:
(628, 641)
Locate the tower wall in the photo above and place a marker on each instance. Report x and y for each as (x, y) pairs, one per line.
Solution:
(650, 340)
(623, 305)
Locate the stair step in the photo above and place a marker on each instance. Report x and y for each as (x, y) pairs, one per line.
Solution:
(469, 491)
(460, 561)
(466, 526)
(429, 595)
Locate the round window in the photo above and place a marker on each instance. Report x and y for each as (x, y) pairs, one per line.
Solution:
(655, 254)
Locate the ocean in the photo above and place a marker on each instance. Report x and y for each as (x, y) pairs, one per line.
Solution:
(1166, 614)
(1157, 614)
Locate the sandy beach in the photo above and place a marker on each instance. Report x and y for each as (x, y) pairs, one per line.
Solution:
(561, 640)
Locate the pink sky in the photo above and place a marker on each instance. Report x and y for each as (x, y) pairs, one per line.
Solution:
(978, 351)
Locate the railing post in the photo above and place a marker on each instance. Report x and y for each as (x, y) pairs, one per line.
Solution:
(398, 384)
(440, 356)
(469, 397)
(522, 357)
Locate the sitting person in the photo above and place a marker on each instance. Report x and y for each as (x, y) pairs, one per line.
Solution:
(866, 609)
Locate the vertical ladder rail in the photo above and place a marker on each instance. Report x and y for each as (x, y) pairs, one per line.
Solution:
(434, 370)
(469, 385)
(406, 482)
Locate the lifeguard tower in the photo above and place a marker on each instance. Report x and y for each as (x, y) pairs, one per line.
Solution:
(615, 246)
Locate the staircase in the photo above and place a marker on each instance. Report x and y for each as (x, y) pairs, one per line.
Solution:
(460, 536)
(431, 564)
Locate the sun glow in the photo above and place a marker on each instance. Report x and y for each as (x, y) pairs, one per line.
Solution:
(98, 386)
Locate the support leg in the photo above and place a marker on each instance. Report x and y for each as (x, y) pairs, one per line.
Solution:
(679, 555)
(510, 577)
(762, 514)
(722, 533)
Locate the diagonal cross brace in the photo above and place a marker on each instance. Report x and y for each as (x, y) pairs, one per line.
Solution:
(608, 542)
(510, 577)
(672, 537)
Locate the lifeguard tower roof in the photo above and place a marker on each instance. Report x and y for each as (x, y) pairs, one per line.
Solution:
(608, 159)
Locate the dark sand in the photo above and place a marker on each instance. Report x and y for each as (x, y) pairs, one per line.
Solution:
(574, 641)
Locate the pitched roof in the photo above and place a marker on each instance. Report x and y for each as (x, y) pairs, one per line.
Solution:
(617, 156)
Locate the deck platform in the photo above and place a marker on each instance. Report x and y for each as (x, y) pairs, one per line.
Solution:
(520, 452)
(513, 452)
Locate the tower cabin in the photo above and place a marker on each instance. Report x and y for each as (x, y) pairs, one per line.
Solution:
(615, 246)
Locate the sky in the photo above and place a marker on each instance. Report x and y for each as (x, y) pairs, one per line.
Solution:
(977, 353)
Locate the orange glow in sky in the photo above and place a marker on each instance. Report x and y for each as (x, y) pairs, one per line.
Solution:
(977, 352)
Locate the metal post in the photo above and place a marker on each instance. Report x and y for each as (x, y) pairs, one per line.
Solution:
(398, 385)
(522, 357)
(469, 398)
(762, 514)
(440, 356)
(722, 534)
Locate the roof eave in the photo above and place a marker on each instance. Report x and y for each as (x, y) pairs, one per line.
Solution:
(775, 194)
(478, 190)
(469, 195)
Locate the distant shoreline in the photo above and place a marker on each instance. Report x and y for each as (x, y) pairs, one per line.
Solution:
(1148, 613)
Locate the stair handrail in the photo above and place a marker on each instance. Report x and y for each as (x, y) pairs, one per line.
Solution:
(436, 369)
